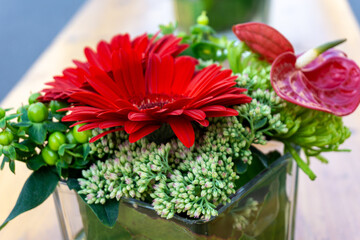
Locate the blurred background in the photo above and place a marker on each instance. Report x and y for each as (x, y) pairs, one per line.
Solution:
(28, 27)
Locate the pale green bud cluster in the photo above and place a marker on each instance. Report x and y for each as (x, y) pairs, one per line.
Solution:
(196, 187)
(243, 217)
(105, 147)
(252, 72)
(130, 174)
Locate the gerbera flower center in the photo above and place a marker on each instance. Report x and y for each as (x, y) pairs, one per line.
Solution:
(153, 101)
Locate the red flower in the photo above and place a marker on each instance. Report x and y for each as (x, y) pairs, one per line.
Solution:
(140, 98)
(329, 83)
(75, 78)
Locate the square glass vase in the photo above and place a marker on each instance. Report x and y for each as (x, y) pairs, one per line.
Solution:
(264, 208)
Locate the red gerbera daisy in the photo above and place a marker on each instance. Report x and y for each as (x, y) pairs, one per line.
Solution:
(75, 78)
(167, 90)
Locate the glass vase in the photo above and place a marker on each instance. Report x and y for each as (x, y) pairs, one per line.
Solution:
(263, 209)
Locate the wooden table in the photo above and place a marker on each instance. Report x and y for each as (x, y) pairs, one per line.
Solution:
(327, 208)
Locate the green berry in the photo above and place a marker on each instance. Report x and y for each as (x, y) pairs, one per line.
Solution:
(56, 139)
(81, 137)
(37, 112)
(33, 98)
(6, 138)
(56, 105)
(49, 156)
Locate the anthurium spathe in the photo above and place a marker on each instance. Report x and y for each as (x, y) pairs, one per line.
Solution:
(319, 79)
(167, 90)
(74, 78)
(263, 39)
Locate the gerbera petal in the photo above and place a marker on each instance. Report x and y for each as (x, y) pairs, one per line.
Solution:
(104, 133)
(133, 137)
(88, 126)
(136, 116)
(186, 66)
(110, 124)
(227, 113)
(131, 127)
(183, 130)
(204, 123)
(195, 114)
(92, 99)
(92, 57)
(103, 84)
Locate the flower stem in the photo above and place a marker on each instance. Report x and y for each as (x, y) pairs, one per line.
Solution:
(300, 162)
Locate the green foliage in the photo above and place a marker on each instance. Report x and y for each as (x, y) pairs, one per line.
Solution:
(36, 190)
(107, 213)
(314, 131)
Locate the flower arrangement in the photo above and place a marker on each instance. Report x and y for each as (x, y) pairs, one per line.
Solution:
(174, 120)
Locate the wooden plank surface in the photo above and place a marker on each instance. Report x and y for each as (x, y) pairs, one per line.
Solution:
(327, 208)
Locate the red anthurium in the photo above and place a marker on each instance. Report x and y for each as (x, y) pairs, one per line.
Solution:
(319, 79)
(167, 91)
(263, 39)
(330, 83)
(75, 78)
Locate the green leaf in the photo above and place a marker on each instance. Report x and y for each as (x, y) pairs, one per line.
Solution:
(63, 147)
(37, 133)
(80, 163)
(24, 117)
(2, 122)
(12, 166)
(246, 237)
(5, 160)
(261, 156)
(21, 147)
(240, 166)
(55, 127)
(36, 190)
(29, 145)
(23, 124)
(12, 116)
(206, 50)
(260, 123)
(299, 161)
(10, 152)
(67, 158)
(35, 163)
(86, 150)
(322, 159)
(107, 213)
(57, 116)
